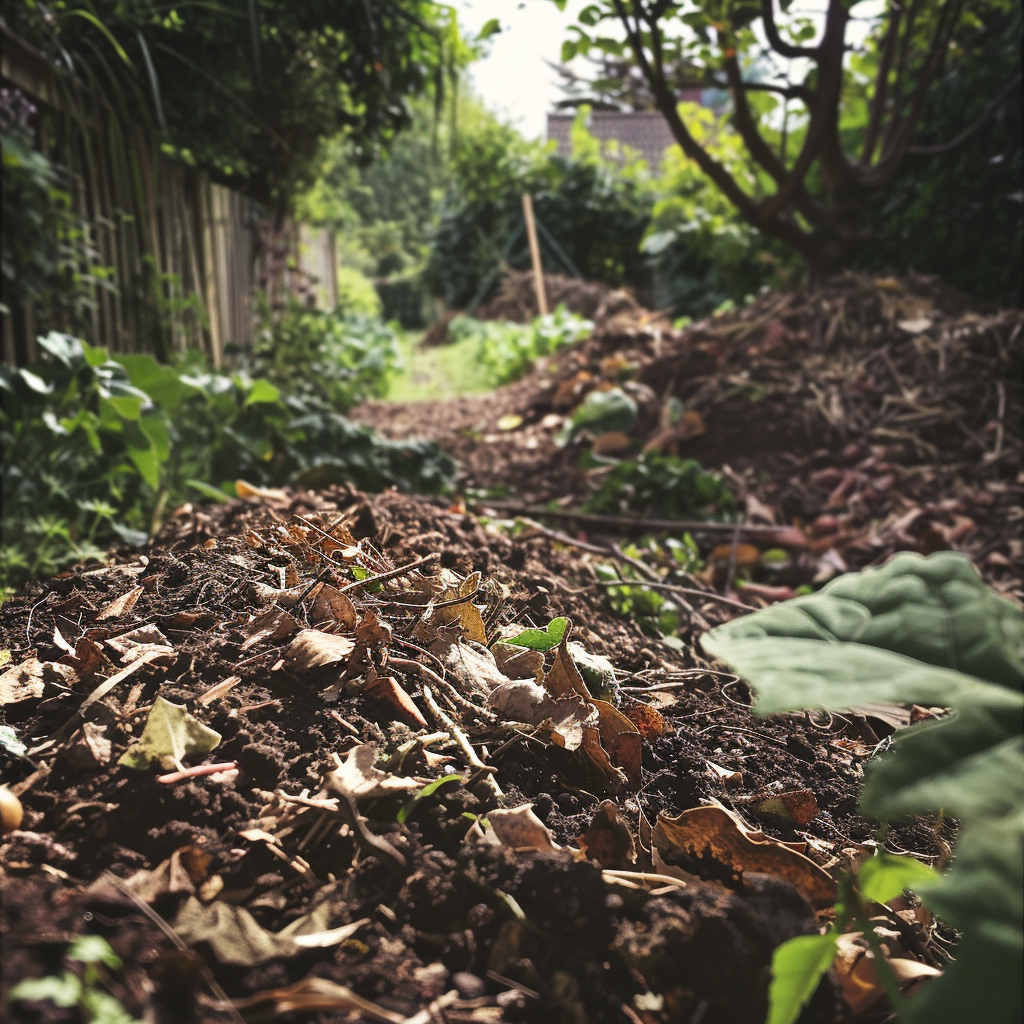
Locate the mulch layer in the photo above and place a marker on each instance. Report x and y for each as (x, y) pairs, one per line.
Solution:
(355, 846)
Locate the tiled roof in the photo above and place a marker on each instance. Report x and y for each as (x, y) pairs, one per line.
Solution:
(644, 131)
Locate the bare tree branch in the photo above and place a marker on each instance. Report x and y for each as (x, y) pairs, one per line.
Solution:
(881, 84)
(989, 110)
(778, 44)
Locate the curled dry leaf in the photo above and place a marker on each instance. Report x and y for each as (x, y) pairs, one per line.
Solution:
(171, 734)
(273, 624)
(718, 833)
(528, 702)
(855, 967)
(518, 662)
(465, 612)
(608, 839)
(120, 606)
(520, 829)
(89, 749)
(28, 680)
(331, 604)
(357, 776)
(472, 665)
(148, 634)
(313, 648)
(799, 806)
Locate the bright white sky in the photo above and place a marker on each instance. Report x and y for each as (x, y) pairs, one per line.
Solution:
(513, 79)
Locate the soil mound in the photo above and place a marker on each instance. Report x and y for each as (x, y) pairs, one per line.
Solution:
(516, 299)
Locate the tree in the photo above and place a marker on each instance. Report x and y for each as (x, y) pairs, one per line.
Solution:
(858, 105)
(248, 89)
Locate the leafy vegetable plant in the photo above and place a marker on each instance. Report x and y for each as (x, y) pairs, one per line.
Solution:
(921, 631)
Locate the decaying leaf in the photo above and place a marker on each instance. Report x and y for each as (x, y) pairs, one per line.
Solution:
(148, 634)
(608, 839)
(185, 871)
(28, 680)
(855, 967)
(472, 665)
(313, 648)
(331, 604)
(171, 734)
(528, 702)
(718, 833)
(89, 749)
(235, 937)
(465, 612)
(388, 690)
(518, 662)
(273, 624)
(314, 994)
(799, 806)
(358, 777)
(520, 829)
(120, 606)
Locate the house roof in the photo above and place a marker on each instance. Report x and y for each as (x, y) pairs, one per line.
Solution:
(644, 131)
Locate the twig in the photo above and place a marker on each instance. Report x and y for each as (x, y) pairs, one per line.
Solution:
(632, 523)
(180, 943)
(391, 574)
(442, 684)
(197, 772)
(461, 738)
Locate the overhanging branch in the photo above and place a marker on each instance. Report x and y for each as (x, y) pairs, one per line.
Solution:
(989, 110)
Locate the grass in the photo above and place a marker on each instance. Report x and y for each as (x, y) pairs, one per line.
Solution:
(438, 373)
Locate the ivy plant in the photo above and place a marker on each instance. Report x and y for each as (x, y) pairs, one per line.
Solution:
(921, 631)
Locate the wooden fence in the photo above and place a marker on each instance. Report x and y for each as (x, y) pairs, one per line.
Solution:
(185, 255)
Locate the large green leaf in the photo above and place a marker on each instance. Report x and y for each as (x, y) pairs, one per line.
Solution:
(936, 610)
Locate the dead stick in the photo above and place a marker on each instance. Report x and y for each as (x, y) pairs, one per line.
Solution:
(633, 522)
(461, 738)
(197, 772)
(538, 268)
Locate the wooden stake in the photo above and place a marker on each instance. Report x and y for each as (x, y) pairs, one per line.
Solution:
(538, 269)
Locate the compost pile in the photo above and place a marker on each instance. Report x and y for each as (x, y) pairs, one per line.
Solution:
(338, 756)
(874, 415)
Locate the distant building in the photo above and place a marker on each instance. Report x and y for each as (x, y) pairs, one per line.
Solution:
(644, 131)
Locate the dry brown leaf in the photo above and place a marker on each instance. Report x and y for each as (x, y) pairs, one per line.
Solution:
(331, 603)
(718, 833)
(313, 648)
(520, 829)
(23, 682)
(120, 606)
(747, 555)
(465, 612)
(615, 777)
(799, 806)
(518, 662)
(273, 624)
(61, 642)
(608, 839)
(182, 873)
(528, 702)
(88, 749)
(148, 634)
(564, 677)
(855, 967)
(729, 777)
(272, 495)
(358, 777)
(313, 994)
(388, 690)
(472, 665)
(615, 442)
(648, 721)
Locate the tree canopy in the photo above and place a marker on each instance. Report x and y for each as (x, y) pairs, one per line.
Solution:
(828, 116)
(248, 90)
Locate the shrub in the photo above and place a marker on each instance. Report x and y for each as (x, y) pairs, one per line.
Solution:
(95, 448)
(340, 358)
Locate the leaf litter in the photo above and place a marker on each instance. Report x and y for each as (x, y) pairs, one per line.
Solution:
(477, 790)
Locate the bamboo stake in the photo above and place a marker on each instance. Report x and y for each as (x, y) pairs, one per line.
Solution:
(538, 269)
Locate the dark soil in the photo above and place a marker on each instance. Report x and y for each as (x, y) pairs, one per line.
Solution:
(811, 417)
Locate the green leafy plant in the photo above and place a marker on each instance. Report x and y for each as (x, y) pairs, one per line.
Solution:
(86, 992)
(662, 485)
(924, 631)
(338, 357)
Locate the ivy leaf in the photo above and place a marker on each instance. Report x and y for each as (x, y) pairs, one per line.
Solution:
(546, 639)
(171, 734)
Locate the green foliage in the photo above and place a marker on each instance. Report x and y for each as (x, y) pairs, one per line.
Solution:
(797, 968)
(662, 485)
(356, 294)
(248, 92)
(46, 255)
(922, 631)
(507, 351)
(596, 212)
(95, 448)
(338, 358)
(87, 993)
(961, 215)
(602, 412)
(545, 639)
(654, 611)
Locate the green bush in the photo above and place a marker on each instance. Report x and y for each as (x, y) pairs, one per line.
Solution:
(95, 449)
(340, 358)
(929, 632)
(507, 351)
(357, 294)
